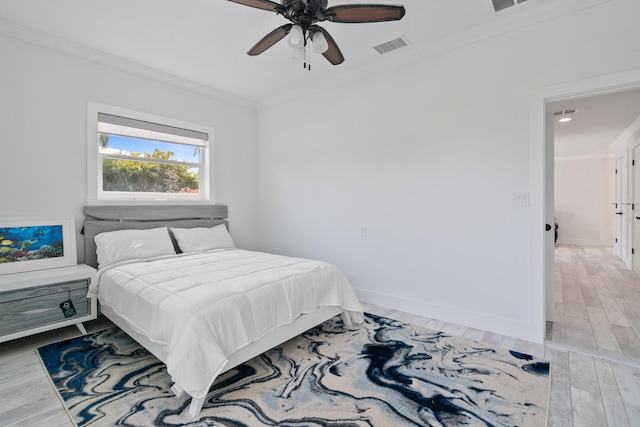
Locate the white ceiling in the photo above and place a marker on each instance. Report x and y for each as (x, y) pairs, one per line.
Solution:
(205, 41)
(598, 122)
(202, 44)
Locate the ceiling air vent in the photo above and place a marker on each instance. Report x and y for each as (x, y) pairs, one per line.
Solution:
(391, 45)
(498, 5)
(565, 115)
(563, 112)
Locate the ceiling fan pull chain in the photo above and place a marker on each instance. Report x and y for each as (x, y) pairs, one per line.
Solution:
(307, 57)
(304, 50)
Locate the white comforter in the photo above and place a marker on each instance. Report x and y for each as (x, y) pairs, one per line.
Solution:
(202, 307)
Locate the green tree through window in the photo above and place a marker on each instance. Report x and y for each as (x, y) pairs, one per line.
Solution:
(146, 176)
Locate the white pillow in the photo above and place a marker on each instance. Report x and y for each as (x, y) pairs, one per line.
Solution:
(203, 239)
(122, 245)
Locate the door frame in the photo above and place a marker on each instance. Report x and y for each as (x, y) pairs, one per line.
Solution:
(538, 263)
(635, 191)
(623, 196)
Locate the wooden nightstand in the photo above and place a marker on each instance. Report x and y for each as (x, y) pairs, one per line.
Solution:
(30, 301)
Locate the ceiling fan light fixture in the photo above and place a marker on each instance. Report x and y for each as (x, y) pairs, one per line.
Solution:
(296, 37)
(320, 44)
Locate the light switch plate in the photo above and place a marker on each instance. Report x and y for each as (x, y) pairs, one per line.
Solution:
(521, 199)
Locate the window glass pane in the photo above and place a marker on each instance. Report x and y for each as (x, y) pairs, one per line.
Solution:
(122, 145)
(148, 177)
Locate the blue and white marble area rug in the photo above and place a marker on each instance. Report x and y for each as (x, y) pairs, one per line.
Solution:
(380, 373)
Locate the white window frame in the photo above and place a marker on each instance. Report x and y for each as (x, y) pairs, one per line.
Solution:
(95, 193)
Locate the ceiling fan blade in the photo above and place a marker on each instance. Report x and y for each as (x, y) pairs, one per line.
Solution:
(361, 13)
(332, 54)
(261, 4)
(270, 39)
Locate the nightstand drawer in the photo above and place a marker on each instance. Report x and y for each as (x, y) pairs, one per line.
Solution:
(25, 309)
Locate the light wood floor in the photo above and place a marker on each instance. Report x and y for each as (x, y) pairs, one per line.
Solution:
(585, 391)
(597, 303)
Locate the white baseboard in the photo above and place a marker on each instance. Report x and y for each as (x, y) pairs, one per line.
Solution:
(499, 325)
(581, 242)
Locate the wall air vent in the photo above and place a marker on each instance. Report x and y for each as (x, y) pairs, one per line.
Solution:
(499, 5)
(392, 45)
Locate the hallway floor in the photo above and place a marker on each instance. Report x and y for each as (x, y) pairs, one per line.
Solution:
(597, 304)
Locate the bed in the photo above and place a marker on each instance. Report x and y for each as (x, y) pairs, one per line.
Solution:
(197, 303)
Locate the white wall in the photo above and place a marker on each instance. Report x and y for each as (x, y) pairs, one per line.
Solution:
(429, 157)
(43, 110)
(584, 196)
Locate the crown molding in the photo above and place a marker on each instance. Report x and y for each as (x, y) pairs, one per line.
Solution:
(41, 39)
(516, 18)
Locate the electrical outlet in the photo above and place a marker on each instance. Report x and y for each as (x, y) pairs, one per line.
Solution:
(363, 231)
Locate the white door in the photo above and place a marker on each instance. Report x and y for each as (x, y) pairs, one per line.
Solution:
(549, 207)
(635, 212)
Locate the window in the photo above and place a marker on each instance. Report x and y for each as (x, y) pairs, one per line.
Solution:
(138, 156)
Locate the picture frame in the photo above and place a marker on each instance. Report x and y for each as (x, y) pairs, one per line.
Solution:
(37, 243)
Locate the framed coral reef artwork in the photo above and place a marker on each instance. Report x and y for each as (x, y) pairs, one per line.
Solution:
(36, 243)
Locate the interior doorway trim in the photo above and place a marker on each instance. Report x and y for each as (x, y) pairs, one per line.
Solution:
(537, 172)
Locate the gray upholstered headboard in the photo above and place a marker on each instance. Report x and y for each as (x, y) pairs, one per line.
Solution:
(112, 218)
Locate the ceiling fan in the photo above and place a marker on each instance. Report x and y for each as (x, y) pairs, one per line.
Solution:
(304, 14)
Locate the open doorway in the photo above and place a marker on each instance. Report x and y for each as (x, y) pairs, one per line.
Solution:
(593, 286)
